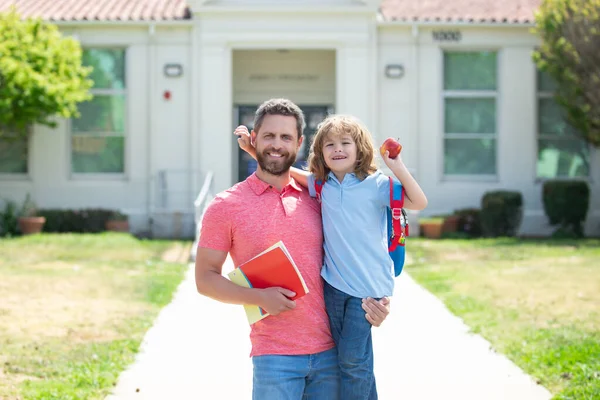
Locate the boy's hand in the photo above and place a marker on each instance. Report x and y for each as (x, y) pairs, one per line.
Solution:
(376, 311)
(244, 139)
(392, 162)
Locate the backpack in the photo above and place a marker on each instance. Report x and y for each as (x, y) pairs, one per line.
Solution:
(397, 223)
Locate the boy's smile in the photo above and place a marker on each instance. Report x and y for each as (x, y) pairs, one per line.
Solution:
(339, 153)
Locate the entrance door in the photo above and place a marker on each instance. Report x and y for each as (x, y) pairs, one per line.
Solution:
(313, 115)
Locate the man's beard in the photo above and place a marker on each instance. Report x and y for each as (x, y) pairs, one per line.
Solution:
(275, 167)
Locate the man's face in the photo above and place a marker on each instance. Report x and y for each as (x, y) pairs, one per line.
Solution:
(277, 144)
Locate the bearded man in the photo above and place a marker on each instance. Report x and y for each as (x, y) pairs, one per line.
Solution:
(293, 353)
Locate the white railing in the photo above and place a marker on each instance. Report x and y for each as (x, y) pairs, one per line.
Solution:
(200, 204)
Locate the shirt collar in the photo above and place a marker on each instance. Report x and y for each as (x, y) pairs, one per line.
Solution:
(259, 186)
(331, 175)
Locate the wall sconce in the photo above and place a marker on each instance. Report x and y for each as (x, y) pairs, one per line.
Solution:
(394, 71)
(173, 70)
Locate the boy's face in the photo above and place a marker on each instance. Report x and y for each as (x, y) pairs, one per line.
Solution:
(339, 153)
(276, 144)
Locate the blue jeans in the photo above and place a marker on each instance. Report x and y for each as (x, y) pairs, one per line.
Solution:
(352, 335)
(301, 377)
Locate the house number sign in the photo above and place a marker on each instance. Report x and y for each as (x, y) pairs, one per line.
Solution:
(447, 36)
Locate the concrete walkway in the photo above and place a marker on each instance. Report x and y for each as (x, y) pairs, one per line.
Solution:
(198, 349)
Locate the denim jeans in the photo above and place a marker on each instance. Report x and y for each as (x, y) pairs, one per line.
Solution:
(300, 377)
(352, 335)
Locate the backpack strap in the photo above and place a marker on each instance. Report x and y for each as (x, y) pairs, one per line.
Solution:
(319, 188)
(396, 204)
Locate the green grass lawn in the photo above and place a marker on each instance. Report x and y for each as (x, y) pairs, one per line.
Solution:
(537, 301)
(74, 309)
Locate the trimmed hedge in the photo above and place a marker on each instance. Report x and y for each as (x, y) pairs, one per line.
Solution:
(469, 221)
(501, 213)
(566, 204)
(79, 221)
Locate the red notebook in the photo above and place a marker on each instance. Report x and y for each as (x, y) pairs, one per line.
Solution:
(272, 267)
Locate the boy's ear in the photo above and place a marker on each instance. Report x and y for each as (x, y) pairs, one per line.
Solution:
(253, 138)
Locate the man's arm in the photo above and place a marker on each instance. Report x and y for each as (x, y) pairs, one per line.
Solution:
(414, 198)
(245, 144)
(211, 283)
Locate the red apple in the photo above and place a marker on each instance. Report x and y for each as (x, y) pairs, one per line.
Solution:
(391, 145)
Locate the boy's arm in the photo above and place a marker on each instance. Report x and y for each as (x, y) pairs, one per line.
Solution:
(414, 198)
(245, 144)
(300, 176)
(210, 282)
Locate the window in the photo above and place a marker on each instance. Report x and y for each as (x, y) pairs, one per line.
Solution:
(561, 153)
(13, 154)
(470, 90)
(98, 136)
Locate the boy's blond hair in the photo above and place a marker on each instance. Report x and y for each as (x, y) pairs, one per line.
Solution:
(339, 125)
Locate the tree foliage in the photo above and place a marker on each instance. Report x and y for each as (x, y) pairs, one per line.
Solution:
(570, 55)
(41, 75)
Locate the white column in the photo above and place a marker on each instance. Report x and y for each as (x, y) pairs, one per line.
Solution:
(354, 90)
(215, 113)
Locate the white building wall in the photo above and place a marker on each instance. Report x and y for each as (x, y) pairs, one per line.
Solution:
(411, 109)
(219, 34)
(157, 132)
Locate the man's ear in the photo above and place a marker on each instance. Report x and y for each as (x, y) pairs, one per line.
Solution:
(253, 138)
(300, 139)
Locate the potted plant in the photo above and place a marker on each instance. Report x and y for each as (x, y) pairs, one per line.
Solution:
(450, 224)
(29, 221)
(432, 227)
(117, 222)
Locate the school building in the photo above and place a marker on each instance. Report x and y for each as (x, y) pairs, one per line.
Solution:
(453, 80)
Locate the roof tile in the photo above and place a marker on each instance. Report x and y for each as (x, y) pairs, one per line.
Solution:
(473, 11)
(100, 10)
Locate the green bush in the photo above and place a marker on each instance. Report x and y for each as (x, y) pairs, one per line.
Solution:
(9, 219)
(78, 221)
(469, 221)
(501, 213)
(566, 204)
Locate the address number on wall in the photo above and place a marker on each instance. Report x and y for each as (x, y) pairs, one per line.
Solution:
(447, 36)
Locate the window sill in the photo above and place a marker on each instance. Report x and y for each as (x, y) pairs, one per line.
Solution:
(471, 178)
(15, 177)
(587, 179)
(98, 177)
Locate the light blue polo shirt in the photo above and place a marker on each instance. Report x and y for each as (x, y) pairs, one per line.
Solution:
(355, 229)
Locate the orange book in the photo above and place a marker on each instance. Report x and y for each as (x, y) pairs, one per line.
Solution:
(272, 267)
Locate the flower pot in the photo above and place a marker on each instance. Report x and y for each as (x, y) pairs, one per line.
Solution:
(117, 225)
(450, 224)
(30, 225)
(432, 230)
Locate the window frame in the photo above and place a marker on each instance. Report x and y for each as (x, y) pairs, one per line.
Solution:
(126, 132)
(466, 94)
(547, 94)
(21, 176)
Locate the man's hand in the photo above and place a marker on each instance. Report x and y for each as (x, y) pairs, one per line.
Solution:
(377, 311)
(244, 140)
(275, 300)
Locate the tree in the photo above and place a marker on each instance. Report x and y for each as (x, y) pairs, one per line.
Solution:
(570, 55)
(41, 75)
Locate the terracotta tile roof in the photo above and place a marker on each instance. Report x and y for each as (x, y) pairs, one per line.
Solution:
(471, 11)
(100, 10)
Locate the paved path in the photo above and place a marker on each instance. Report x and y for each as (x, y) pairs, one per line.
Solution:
(198, 349)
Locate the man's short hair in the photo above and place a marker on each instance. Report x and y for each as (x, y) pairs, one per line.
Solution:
(283, 107)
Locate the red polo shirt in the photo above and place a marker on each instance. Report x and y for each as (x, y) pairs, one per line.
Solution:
(248, 218)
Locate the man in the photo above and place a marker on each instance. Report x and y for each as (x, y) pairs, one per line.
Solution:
(292, 353)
